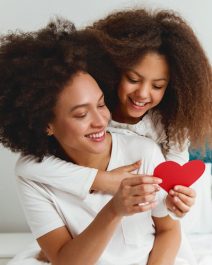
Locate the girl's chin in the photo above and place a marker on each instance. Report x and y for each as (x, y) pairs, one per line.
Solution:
(136, 114)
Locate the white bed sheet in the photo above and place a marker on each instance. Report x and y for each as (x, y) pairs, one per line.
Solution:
(201, 244)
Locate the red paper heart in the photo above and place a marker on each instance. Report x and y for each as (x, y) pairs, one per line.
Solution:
(174, 174)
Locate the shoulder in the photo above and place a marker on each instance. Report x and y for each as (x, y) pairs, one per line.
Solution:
(136, 144)
(132, 148)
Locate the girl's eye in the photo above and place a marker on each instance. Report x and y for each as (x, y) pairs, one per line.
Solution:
(101, 105)
(157, 87)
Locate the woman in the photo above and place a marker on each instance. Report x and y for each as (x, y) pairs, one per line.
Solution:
(58, 109)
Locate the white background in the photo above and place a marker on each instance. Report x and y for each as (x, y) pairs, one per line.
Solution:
(31, 15)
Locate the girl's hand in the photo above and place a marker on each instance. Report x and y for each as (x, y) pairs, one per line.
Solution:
(180, 200)
(42, 257)
(135, 194)
(109, 181)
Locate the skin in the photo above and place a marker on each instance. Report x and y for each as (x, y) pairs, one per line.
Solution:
(145, 82)
(74, 126)
(80, 111)
(141, 88)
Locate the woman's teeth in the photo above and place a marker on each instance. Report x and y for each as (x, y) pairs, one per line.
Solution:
(96, 135)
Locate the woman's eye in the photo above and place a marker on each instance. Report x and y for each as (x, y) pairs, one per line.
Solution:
(80, 116)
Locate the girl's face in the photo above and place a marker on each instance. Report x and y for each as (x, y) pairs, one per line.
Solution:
(81, 117)
(142, 87)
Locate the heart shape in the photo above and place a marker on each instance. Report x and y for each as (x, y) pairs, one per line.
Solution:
(174, 174)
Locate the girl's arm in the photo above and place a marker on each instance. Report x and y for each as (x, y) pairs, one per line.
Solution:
(57, 173)
(180, 199)
(167, 241)
(72, 178)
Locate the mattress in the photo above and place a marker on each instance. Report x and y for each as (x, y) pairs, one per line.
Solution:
(201, 244)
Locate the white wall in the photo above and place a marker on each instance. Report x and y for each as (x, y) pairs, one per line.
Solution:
(30, 15)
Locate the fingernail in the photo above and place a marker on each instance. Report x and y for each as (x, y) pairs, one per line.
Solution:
(176, 199)
(157, 187)
(171, 192)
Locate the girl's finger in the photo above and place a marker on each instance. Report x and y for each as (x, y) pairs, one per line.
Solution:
(185, 190)
(180, 205)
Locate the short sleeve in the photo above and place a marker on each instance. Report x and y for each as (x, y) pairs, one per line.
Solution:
(57, 173)
(40, 210)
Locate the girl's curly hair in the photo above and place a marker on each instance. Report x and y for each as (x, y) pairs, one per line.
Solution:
(34, 68)
(186, 108)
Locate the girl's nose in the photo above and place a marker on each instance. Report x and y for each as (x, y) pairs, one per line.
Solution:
(143, 91)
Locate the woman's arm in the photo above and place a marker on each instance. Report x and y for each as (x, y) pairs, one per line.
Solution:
(167, 241)
(61, 249)
(86, 248)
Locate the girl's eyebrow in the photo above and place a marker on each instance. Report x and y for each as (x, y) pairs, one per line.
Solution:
(139, 75)
(84, 105)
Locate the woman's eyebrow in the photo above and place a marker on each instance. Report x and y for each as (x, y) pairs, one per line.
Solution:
(84, 104)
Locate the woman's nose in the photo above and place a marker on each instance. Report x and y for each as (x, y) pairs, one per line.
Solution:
(100, 120)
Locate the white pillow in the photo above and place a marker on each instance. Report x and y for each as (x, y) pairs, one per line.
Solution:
(199, 219)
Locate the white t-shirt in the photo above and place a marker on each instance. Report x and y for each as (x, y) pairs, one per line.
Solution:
(78, 180)
(48, 208)
(151, 127)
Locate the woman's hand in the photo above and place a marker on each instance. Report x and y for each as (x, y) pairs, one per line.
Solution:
(135, 194)
(180, 200)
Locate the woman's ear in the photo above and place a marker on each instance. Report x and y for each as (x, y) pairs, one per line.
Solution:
(49, 130)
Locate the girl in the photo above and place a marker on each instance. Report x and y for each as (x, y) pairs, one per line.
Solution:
(45, 87)
(162, 76)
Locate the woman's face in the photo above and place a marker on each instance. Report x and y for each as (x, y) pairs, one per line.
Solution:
(81, 117)
(142, 87)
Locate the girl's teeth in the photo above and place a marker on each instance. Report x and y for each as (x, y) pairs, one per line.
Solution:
(140, 104)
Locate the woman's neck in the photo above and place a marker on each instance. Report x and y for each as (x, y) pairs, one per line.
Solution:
(88, 159)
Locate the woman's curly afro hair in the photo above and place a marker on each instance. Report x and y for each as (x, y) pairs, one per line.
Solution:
(34, 68)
